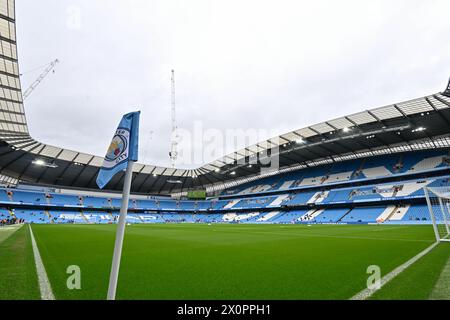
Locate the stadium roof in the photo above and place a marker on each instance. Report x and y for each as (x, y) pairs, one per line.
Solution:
(422, 123)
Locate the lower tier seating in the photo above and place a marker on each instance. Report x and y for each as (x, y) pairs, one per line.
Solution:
(389, 214)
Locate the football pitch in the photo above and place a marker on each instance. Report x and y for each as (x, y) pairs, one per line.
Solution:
(223, 261)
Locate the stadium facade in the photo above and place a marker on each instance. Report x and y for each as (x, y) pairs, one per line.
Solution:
(368, 167)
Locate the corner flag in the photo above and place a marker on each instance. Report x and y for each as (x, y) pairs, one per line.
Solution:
(123, 148)
(121, 155)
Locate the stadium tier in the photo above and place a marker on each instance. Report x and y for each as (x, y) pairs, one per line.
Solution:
(369, 190)
(398, 165)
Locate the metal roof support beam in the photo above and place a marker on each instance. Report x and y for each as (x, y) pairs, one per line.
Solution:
(46, 169)
(156, 180)
(16, 159)
(437, 111)
(441, 100)
(94, 177)
(82, 170)
(146, 179)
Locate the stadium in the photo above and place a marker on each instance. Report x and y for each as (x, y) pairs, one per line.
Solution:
(368, 189)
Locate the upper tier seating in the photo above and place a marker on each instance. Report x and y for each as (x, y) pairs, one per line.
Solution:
(29, 196)
(368, 168)
(62, 199)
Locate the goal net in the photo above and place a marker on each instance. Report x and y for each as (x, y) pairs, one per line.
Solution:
(438, 201)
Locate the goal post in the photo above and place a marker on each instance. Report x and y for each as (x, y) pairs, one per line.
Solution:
(438, 201)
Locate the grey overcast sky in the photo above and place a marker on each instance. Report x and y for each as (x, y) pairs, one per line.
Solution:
(274, 65)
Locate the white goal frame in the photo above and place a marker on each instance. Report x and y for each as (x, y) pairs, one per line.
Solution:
(438, 202)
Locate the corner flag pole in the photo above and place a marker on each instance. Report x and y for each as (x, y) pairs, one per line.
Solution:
(120, 233)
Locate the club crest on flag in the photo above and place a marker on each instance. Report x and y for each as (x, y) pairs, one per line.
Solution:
(122, 149)
(118, 149)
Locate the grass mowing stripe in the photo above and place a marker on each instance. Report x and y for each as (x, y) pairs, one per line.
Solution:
(321, 235)
(441, 290)
(17, 269)
(44, 284)
(367, 293)
(6, 232)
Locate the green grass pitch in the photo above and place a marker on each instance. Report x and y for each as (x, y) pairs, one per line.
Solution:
(224, 261)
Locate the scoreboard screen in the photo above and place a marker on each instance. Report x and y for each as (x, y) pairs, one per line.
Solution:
(197, 194)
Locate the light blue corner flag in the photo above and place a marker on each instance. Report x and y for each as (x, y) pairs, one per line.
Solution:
(123, 148)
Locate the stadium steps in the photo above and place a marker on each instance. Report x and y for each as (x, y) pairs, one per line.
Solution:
(346, 213)
(239, 217)
(386, 214)
(410, 188)
(279, 200)
(426, 164)
(229, 217)
(376, 172)
(231, 204)
(269, 216)
(358, 171)
(248, 217)
(363, 163)
(286, 185)
(313, 181)
(49, 216)
(399, 213)
(399, 165)
(391, 214)
(84, 217)
(111, 217)
(341, 176)
(318, 197)
(394, 194)
(311, 215)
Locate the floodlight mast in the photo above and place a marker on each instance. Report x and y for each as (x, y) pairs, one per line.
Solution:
(173, 154)
(42, 76)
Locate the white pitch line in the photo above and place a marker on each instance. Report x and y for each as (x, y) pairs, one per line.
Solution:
(367, 293)
(44, 284)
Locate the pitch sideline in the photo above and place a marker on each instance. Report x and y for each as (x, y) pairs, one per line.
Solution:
(367, 293)
(44, 284)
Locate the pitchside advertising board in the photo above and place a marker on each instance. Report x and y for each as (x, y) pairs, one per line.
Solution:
(197, 194)
(447, 90)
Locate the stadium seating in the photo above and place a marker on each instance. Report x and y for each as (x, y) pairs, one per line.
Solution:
(368, 168)
(32, 216)
(334, 193)
(59, 199)
(363, 215)
(331, 215)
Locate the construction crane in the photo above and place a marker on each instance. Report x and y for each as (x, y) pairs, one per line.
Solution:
(173, 154)
(48, 68)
